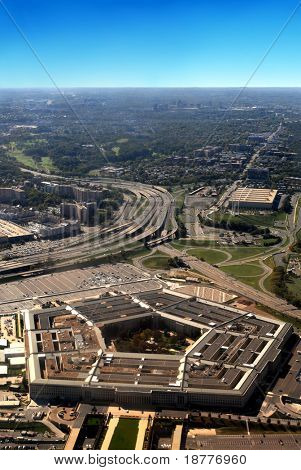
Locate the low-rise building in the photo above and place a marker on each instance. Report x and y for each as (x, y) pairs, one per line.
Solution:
(229, 354)
(251, 198)
(12, 233)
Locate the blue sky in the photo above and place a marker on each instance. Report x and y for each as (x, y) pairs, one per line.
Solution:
(150, 43)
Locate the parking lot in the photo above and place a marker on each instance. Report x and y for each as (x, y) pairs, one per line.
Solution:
(73, 285)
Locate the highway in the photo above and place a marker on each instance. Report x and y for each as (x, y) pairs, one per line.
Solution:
(145, 216)
(148, 216)
(224, 281)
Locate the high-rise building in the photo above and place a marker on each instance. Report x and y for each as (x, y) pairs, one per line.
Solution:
(73, 192)
(9, 195)
(85, 213)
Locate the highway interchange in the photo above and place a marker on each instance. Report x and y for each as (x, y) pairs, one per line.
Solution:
(147, 216)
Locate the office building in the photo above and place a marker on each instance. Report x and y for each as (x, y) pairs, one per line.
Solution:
(251, 198)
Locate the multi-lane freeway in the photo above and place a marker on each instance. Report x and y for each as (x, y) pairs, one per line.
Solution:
(147, 215)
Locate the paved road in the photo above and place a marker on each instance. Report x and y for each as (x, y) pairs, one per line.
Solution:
(224, 281)
(146, 221)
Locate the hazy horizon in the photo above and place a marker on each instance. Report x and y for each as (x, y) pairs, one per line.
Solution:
(52, 88)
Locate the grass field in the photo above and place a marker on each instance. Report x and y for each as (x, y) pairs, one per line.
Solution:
(260, 220)
(23, 159)
(44, 164)
(211, 256)
(47, 164)
(267, 282)
(125, 435)
(136, 253)
(188, 243)
(236, 252)
(94, 420)
(156, 262)
(266, 220)
(241, 252)
(247, 273)
(243, 270)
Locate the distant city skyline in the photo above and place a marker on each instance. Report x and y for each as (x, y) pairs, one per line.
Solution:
(149, 43)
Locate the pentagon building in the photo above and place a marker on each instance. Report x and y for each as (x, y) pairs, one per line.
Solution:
(73, 352)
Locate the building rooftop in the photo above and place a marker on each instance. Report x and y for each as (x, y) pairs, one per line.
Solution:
(10, 230)
(254, 195)
(226, 349)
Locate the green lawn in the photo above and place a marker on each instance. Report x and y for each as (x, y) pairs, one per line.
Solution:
(189, 243)
(125, 435)
(247, 273)
(23, 159)
(260, 220)
(243, 270)
(47, 164)
(211, 256)
(267, 282)
(44, 164)
(94, 420)
(156, 262)
(241, 252)
(136, 253)
(266, 220)
(236, 252)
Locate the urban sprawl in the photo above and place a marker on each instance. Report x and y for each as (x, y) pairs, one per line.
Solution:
(150, 297)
